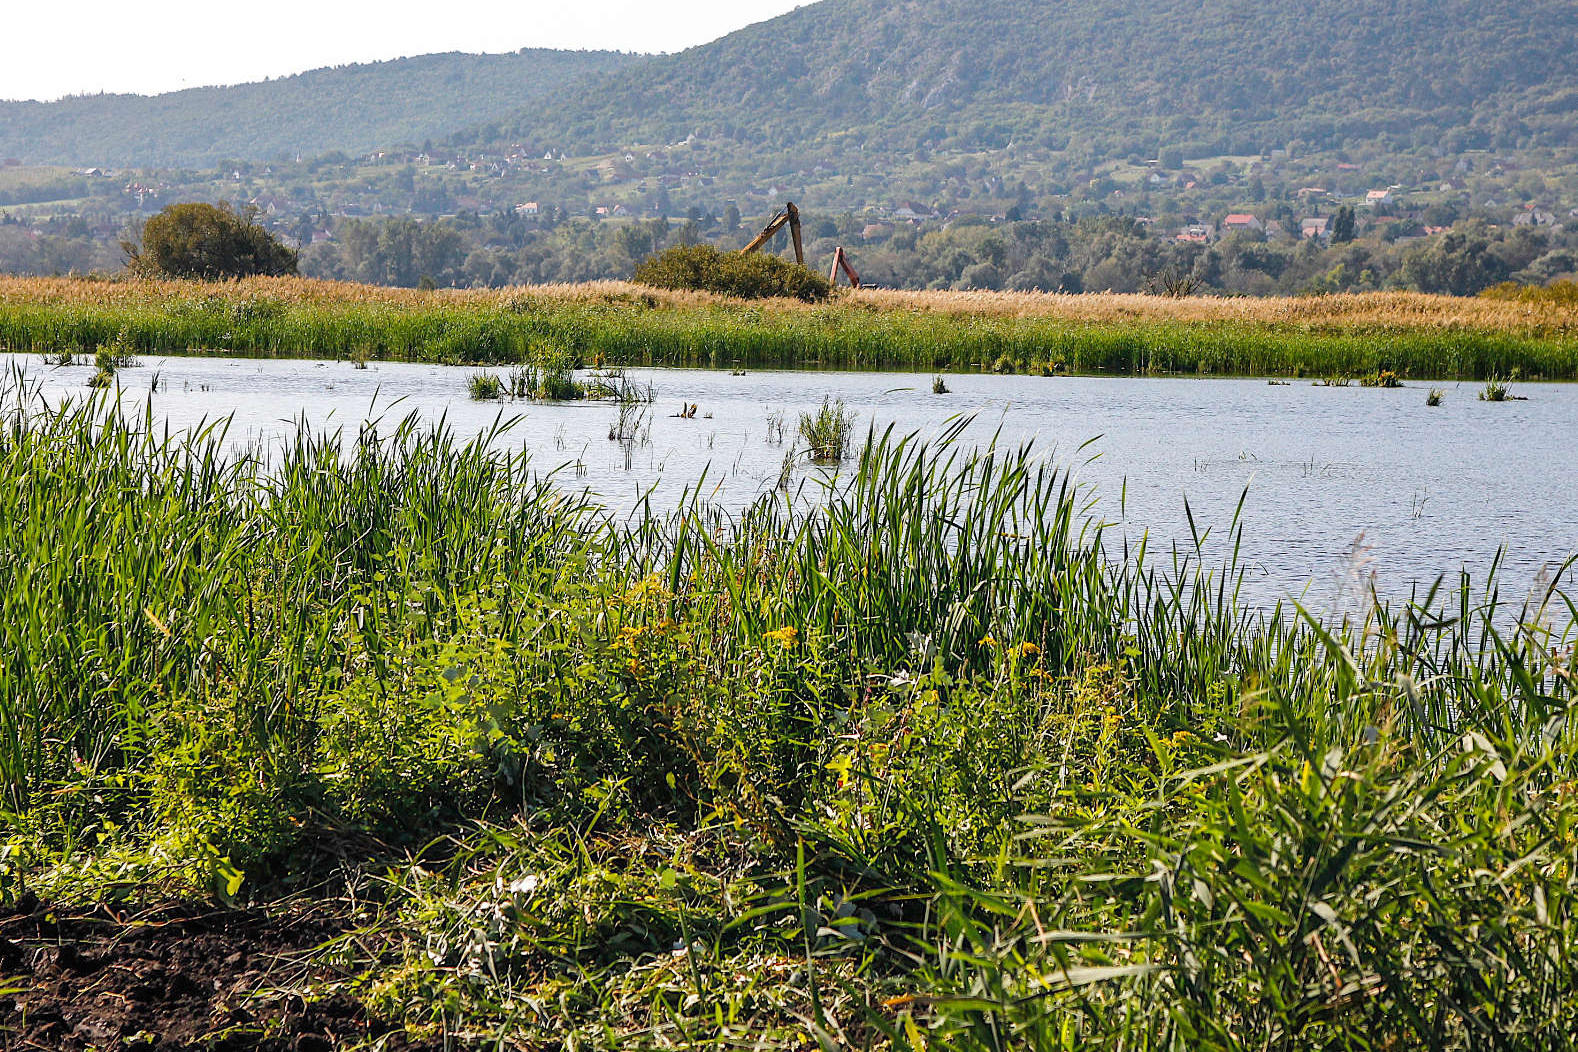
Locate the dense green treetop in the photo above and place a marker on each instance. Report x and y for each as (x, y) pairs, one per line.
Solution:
(208, 242)
(353, 108)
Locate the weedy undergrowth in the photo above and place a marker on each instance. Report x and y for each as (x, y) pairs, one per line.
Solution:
(914, 754)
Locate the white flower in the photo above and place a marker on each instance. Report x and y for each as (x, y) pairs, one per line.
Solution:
(525, 885)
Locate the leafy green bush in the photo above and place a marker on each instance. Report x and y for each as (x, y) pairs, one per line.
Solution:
(703, 268)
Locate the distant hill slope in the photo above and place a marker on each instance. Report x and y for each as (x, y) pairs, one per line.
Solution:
(1101, 77)
(351, 108)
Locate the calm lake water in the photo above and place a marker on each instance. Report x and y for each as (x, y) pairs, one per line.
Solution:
(1340, 480)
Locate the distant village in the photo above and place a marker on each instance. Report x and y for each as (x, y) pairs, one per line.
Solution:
(690, 186)
(655, 183)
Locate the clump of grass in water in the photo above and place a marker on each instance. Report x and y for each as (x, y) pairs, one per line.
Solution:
(1332, 381)
(1435, 396)
(550, 375)
(104, 368)
(1496, 389)
(616, 386)
(938, 386)
(119, 353)
(777, 428)
(633, 426)
(110, 357)
(827, 432)
(1381, 378)
(786, 468)
(484, 387)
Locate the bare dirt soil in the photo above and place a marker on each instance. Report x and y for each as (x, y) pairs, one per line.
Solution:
(175, 978)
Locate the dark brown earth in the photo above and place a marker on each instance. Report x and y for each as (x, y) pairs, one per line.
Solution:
(175, 978)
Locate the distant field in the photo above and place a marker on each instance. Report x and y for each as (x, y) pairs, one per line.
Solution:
(1426, 337)
(22, 185)
(14, 176)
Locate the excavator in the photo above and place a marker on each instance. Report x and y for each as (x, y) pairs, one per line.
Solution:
(841, 262)
(790, 216)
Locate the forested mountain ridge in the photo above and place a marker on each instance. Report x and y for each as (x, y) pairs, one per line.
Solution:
(353, 108)
(1099, 78)
(1092, 80)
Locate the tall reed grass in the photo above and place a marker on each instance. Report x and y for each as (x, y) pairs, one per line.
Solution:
(1409, 335)
(916, 755)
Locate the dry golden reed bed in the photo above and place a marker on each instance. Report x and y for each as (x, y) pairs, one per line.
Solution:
(1414, 336)
(1391, 311)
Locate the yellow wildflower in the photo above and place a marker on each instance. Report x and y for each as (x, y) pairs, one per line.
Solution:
(785, 637)
(648, 588)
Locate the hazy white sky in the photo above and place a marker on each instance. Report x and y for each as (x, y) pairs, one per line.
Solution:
(50, 48)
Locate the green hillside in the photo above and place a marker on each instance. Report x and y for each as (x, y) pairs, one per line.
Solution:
(1091, 80)
(1100, 78)
(351, 108)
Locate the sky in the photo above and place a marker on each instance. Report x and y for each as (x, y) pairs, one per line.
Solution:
(50, 48)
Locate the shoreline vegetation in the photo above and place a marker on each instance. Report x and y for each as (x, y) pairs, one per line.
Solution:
(923, 762)
(617, 323)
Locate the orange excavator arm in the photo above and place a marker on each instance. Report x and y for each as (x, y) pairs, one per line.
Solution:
(841, 262)
(790, 215)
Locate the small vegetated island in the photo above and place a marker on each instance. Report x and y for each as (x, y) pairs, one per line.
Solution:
(394, 743)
